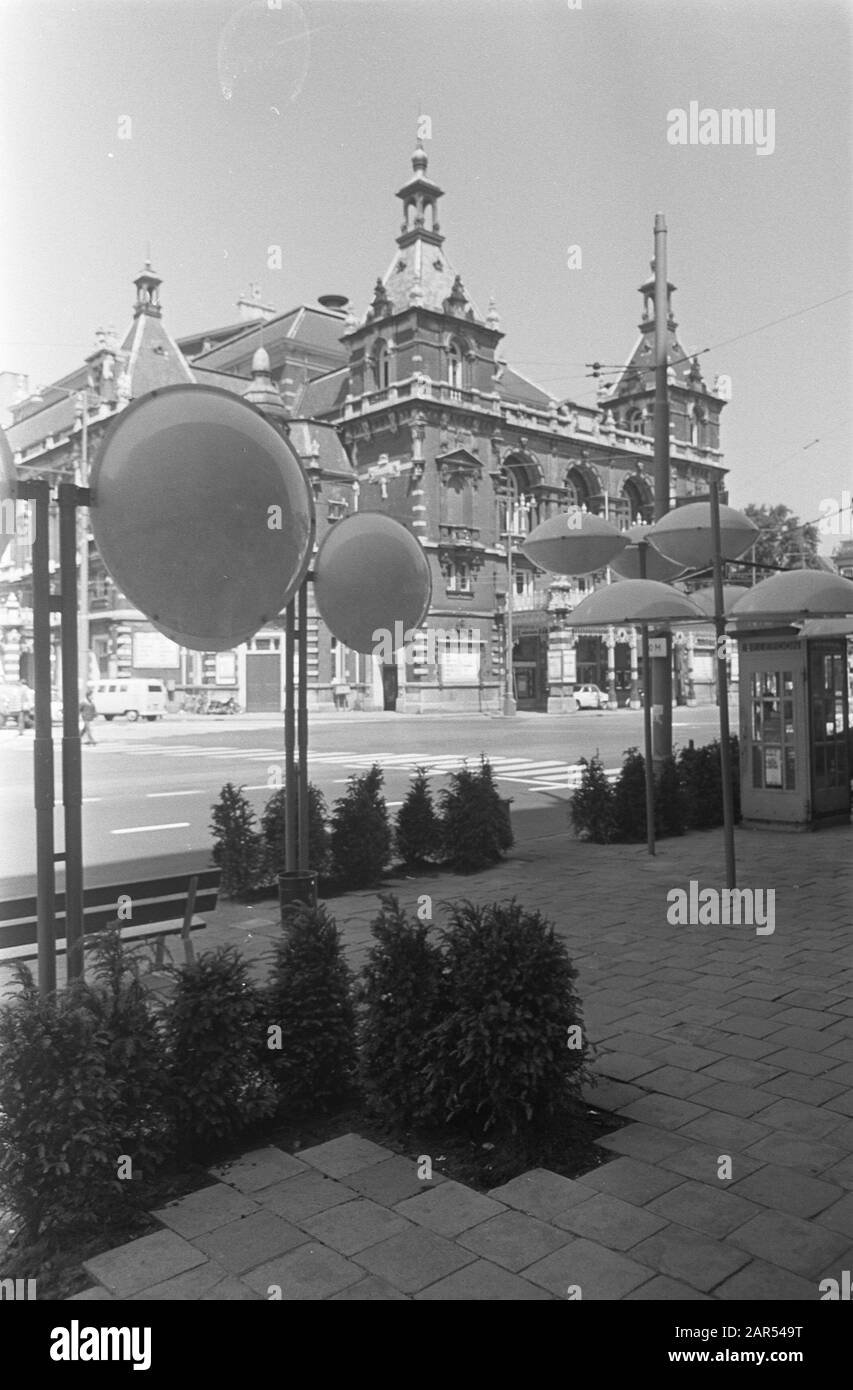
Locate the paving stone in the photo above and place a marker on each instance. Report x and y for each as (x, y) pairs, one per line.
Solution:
(751, 1048)
(624, 1066)
(141, 1263)
(641, 1141)
(630, 1180)
(414, 1259)
(305, 1195)
(541, 1193)
(483, 1282)
(794, 1059)
(730, 1132)
(702, 1163)
(803, 1247)
(246, 1243)
(760, 1282)
(260, 1168)
(391, 1181)
(810, 1121)
(513, 1239)
(807, 1018)
(690, 1258)
(664, 1112)
(369, 1290)
(784, 1189)
(346, 1155)
(311, 1272)
(600, 1273)
(231, 1290)
(842, 1074)
(662, 1289)
(354, 1225)
(96, 1294)
(611, 1095)
(713, 1211)
(687, 1056)
(842, 1103)
(841, 1173)
(839, 1217)
(811, 1090)
(733, 1099)
(811, 1156)
(185, 1287)
(804, 1039)
(449, 1209)
(675, 1081)
(204, 1210)
(609, 1221)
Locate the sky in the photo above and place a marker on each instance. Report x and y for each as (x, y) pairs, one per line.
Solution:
(209, 131)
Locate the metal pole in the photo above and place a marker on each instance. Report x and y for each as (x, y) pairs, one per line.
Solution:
(302, 729)
(43, 789)
(647, 719)
(723, 691)
(72, 782)
(661, 672)
(83, 516)
(290, 801)
(509, 693)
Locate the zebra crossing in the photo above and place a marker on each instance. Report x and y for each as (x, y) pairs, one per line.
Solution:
(544, 774)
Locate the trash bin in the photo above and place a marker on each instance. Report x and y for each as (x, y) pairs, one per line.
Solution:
(298, 886)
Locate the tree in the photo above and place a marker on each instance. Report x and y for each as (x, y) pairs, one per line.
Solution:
(784, 540)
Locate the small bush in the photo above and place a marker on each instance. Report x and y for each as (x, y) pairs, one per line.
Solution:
(629, 799)
(272, 833)
(400, 990)
(670, 809)
(417, 834)
(216, 1043)
(591, 807)
(59, 1144)
(500, 1058)
(361, 834)
(700, 774)
(310, 1000)
(236, 843)
(475, 828)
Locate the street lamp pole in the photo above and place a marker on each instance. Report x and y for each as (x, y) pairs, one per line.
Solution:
(83, 547)
(509, 692)
(661, 667)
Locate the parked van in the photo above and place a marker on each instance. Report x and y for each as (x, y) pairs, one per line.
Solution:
(137, 699)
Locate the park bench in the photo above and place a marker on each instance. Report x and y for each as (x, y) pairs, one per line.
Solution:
(149, 910)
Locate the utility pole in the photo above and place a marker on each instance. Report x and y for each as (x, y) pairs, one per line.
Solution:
(509, 693)
(661, 666)
(83, 515)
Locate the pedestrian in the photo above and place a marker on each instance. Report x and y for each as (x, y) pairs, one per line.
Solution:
(87, 714)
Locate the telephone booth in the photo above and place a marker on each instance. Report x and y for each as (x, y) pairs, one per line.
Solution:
(794, 722)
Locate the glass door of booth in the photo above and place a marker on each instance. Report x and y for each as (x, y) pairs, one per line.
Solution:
(828, 713)
(774, 782)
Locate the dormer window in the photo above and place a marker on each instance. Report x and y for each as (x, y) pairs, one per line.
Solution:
(454, 366)
(382, 366)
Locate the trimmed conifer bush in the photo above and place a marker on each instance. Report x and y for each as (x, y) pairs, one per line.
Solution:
(400, 990)
(236, 842)
(272, 833)
(670, 809)
(510, 1049)
(361, 834)
(591, 806)
(475, 827)
(417, 832)
(629, 799)
(310, 1001)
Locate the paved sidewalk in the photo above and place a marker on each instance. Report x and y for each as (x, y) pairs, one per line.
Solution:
(727, 1051)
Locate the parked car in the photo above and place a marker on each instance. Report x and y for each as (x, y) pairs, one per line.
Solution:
(14, 697)
(590, 697)
(136, 699)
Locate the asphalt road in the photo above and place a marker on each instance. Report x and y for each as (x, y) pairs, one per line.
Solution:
(148, 788)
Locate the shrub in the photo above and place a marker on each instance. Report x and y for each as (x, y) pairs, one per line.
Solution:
(700, 773)
(134, 1050)
(629, 799)
(216, 1043)
(59, 1144)
(670, 808)
(591, 807)
(400, 989)
(475, 828)
(361, 834)
(236, 843)
(500, 1058)
(417, 834)
(272, 833)
(310, 999)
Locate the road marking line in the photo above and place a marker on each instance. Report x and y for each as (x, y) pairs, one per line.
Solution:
(137, 829)
(198, 792)
(87, 800)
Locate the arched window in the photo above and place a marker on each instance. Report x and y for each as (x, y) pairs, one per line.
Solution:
(638, 502)
(697, 424)
(382, 366)
(454, 366)
(577, 489)
(636, 421)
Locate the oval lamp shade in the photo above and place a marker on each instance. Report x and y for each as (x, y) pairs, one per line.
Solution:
(796, 594)
(704, 599)
(657, 566)
(684, 535)
(202, 514)
(371, 577)
(573, 542)
(633, 601)
(8, 493)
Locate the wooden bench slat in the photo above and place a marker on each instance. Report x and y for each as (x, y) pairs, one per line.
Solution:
(28, 950)
(106, 895)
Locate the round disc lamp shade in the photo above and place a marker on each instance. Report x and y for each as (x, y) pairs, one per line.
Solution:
(797, 594)
(8, 491)
(371, 582)
(684, 535)
(657, 566)
(573, 542)
(704, 599)
(634, 601)
(202, 514)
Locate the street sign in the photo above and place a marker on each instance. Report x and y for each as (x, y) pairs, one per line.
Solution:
(371, 576)
(657, 646)
(202, 514)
